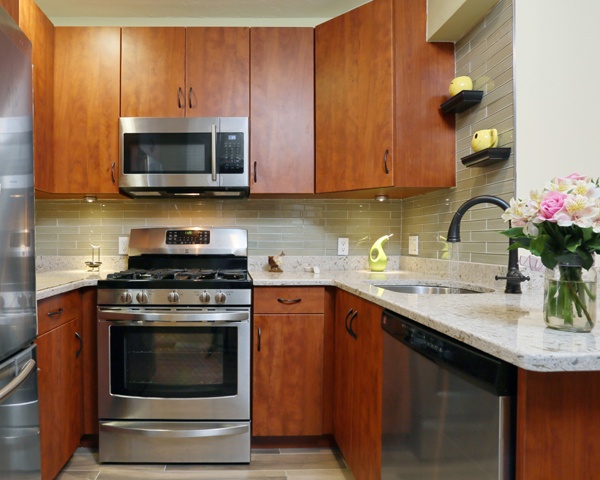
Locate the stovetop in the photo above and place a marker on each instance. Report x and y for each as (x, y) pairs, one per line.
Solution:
(182, 266)
(179, 274)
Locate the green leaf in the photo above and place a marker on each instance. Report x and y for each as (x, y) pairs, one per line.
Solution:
(549, 260)
(514, 232)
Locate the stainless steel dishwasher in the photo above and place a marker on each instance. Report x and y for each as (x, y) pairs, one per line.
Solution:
(448, 408)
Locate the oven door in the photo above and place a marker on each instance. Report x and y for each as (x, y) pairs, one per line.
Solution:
(174, 364)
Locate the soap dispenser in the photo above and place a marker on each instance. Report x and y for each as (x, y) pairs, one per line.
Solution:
(377, 257)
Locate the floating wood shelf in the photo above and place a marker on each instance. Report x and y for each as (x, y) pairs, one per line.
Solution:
(486, 157)
(462, 101)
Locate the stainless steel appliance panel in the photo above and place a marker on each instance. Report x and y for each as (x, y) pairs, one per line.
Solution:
(184, 396)
(448, 409)
(17, 265)
(184, 156)
(19, 417)
(174, 442)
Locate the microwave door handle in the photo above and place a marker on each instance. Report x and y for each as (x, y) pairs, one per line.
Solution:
(213, 134)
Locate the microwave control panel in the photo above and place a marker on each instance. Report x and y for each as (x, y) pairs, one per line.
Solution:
(230, 152)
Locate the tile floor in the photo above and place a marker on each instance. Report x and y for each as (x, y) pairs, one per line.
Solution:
(270, 464)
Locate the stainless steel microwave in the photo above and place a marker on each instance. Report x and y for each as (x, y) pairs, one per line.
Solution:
(171, 157)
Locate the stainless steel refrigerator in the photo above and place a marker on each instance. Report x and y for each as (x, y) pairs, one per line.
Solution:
(19, 414)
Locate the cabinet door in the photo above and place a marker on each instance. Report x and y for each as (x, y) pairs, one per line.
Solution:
(153, 72)
(86, 110)
(217, 72)
(424, 139)
(288, 375)
(282, 110)
(343, 374)
(354, 100)
(59, 386)
(366, 426)
(89, 335)
(40, 32)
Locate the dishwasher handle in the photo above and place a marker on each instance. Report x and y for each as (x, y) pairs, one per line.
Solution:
(491, 373)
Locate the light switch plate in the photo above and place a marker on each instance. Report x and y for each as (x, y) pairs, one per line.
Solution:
(413, 244)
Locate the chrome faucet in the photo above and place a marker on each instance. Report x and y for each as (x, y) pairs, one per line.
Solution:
(513, 277)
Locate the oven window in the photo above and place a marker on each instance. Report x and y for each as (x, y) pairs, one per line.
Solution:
(179, 153)
(173, 362)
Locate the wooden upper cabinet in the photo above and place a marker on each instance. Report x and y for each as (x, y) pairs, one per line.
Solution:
(424, 138)
(354, 100)
(86, 110)
(40, 31)
(12, 8)
(282, 110)
(217, 72)
(152, 72)
(379, 85)
(177, 72)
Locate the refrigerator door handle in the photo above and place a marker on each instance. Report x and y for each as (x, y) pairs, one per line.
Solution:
(11, 386)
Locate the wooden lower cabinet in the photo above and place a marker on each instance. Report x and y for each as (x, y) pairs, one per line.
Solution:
(67, 378)
(558, 425)
(288, 362)
(60, 393)
(357, 394)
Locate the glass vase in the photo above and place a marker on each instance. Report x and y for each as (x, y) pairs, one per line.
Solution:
(570, 296)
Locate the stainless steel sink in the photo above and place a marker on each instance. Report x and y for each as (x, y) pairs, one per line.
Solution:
(427, 289)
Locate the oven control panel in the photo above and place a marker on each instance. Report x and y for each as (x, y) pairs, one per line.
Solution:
(188, 237)
(183, 297)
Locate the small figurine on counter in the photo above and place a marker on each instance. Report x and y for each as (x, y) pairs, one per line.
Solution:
(275, 262)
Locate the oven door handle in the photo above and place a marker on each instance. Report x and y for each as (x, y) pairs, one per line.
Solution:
(170, 430)
(228, 317)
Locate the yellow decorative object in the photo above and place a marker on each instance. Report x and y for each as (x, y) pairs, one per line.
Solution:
(484, 139)
(459, 84)
(377, 257)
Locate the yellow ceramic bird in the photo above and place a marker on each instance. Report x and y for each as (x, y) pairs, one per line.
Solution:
(275, 262)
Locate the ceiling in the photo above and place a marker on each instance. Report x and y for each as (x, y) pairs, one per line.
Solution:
(195, 12)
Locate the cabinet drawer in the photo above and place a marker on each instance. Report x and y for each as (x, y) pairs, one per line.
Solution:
(57, 310)
(289, 300)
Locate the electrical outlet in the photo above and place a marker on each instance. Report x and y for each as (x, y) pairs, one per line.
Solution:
(343, 246)
(123, 245)
(413, 244)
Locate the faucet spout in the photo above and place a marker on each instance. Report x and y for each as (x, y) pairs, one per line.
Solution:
(513, 277)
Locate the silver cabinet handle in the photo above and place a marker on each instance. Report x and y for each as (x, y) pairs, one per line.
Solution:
(80, 344)
(190, 98)
(385, 157)
(172, 430)
(213, 134)
(112, 173)
(286, 301)
(179, 93)
(12, 386)
(255, 173)
(259, 337)
(55, 313)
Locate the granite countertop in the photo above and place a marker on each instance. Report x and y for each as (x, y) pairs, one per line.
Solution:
(510, 327)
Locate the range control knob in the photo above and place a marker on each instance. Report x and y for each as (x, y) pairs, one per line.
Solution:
(142, 297)
(125, 297)
(205, 297)
(220, 297)
(173, 297)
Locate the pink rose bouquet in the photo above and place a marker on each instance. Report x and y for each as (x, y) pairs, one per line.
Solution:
(561, 224)
(561, 219)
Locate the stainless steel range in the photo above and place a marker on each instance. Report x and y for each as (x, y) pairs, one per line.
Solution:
(174, 349)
